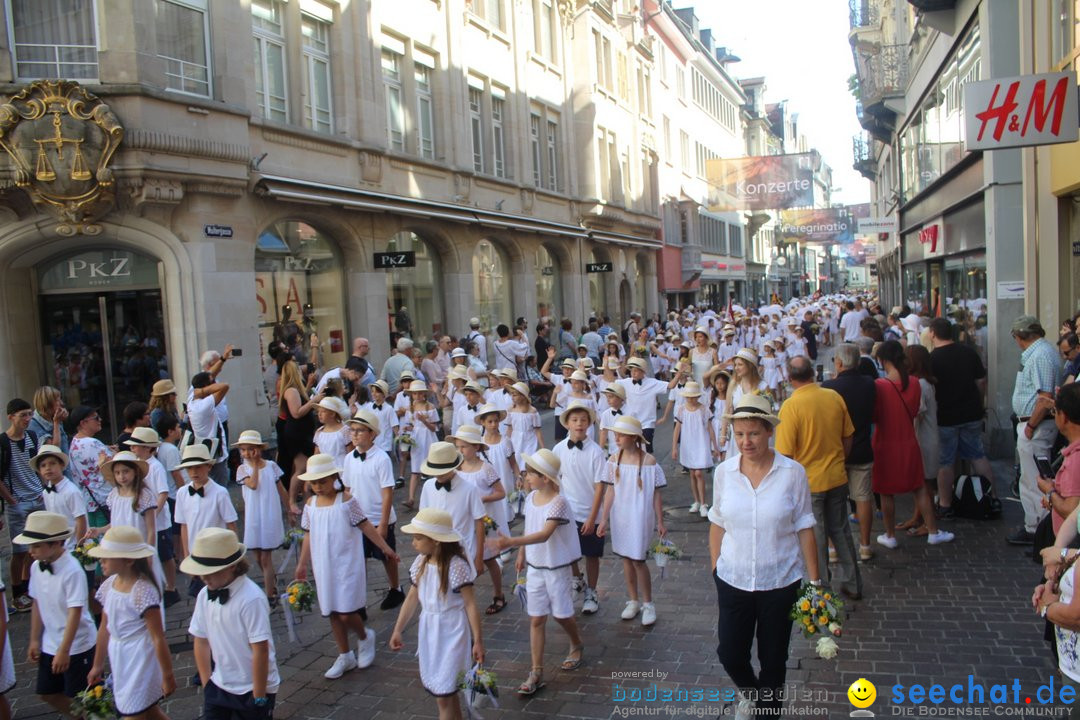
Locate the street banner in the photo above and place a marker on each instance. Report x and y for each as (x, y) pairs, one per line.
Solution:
(768, 182)
(1021, 111)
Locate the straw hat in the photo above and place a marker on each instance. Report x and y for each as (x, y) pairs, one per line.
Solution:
(474, 386)
(48, 451)
(162, 388)
(626, 425)
(122, 541)
(576, 405)
(638, 363)
(471, 434)
(579, 375)
(748, 355)
(586, 363)
(337, 406)
(520, 387)
(488, 409)
(716, 370)
(43, 526)
(458, 372)
(617, 390)
(319, 466)
(251, 437)
(194, 455)
(433, 523)
(214, 549)
(407, 375)
(546, 463)
(569, 364)
(692, 389)
(768, 344)
(366, 418)
(701, 329)
(457, 352)
(417, 386)
(729, 330)
(383, 386)
(754, 407)
(687, 345)
(144, 437)
(508, 373)
(128, 458)
(442, 458)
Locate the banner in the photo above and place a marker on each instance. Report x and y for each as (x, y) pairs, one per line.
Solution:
(821, 225)
(768, 182)
(860, 252)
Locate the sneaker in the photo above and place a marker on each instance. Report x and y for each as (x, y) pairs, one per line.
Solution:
(344, 663)
(631, 610)
(889, 542)
(578, 584)
(393, 598)
(745, 711)
(703, 510)
(648, 614)
(171, 598)
(941, 536)
(1020, 536)
(22, 603)
(694, 508)
(365, 650)
(591, 604)
(865, 552)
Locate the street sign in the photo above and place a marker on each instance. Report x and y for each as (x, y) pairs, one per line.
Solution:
(389, 261)
(217, 231)
(1021, 111)
(603, 267)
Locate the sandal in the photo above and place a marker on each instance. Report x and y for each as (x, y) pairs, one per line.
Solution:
(572, 663)
(496, 606)
(907, 525)
(920, 531)
(534, 682)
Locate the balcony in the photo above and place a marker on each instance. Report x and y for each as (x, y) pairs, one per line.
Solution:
(862, 153)
(883, 74)
(863, 13)
(932, 5)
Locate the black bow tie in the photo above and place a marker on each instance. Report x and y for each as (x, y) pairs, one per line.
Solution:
(220, 596)
(50, 488)
(473, 408)
(358, 454)
(681, 385)
(506, 392)
(377, 408)
(45, 567)
(579, 445)
(636, 382)
(201, 492)
(616, 412)
(443, 485)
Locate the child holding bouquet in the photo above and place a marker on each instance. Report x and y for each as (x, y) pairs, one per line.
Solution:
(264, 497)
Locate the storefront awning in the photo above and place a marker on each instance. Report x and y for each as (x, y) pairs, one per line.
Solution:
(622, 239)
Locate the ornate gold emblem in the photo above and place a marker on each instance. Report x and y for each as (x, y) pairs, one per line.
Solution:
(61, 139)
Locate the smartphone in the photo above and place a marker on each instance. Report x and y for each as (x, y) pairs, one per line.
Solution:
(1043, 464)
(237, 352)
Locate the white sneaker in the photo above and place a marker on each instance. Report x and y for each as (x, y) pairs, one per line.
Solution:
(889, 542)
(694, 508)
(704, 510)
(941, 536)
(591, 604)
(578, 584)
(745, 711)
(631, 610)
(648, 614)
(365, 650)
(344, 663)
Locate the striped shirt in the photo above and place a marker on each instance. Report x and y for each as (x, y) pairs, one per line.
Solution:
(1040, 371)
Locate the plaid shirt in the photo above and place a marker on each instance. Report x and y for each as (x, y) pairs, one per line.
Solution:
(1040, 371)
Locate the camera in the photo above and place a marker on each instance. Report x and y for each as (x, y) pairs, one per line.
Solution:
(237, 352)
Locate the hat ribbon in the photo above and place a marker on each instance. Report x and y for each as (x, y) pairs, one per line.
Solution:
(427, 528)
(217, 562)
(113, 546)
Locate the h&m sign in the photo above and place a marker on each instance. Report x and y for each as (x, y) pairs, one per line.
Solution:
(1021, 111)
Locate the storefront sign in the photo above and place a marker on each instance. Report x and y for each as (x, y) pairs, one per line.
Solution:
(872, 225)
(604, 267)
(932, 238)
(1010, 290)
(769, 182)
(99, 269)
(217, 231)
(1021, 111)
(391, 260)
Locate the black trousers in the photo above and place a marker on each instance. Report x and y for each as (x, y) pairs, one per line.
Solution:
(221, 705)
(764, 614)
(648, 433)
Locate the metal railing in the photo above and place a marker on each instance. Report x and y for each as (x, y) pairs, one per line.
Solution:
(863, 13)
(862, 155)
(882, 73)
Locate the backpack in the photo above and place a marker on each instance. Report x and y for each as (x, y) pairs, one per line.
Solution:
(626, 332)
(972, 498)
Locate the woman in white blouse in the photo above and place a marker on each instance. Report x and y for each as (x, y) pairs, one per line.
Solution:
(762, 522)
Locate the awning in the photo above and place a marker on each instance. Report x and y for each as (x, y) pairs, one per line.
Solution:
(622, 239)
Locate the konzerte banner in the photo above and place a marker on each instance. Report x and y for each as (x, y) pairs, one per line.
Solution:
(768, 182)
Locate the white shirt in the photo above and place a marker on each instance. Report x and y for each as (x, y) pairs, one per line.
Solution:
(204, 421)
(366, 479)
(562, 547)
(579, 475)
(331, 374)
(850, 325)
(463, 503)
(607, 419)
(641, 399)
(507, 352)
(169, 457)
(388, 422)
(231, 629)
(68, 501)
(55, 593)
(158, 482)
(761, 548)
(212, 509)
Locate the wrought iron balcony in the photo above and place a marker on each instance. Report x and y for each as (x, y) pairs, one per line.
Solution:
(863, 13)
(862, 153)
(883, 73)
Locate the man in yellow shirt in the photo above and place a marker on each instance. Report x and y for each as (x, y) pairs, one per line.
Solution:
(815, 431)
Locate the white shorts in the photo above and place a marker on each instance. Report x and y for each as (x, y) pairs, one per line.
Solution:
(550, 592)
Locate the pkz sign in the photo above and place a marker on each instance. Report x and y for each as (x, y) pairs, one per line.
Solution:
(604, 267)
(1021, 111)
(392, 260)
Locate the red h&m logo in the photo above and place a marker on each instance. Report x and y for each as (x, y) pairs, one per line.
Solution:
(929, 235)
(1024, 111)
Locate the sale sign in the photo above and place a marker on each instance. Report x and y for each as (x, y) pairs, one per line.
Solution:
(1021, 111)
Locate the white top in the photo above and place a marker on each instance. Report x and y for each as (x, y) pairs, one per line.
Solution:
(562, 548)
(212, 509)
(68, 501)
(57, 592)
(202, 414)
(122, 512)
(761, 544)
(641, 399)
(607, 419)
(331, 374)
(850, 325)
(463, 503)
(464, 413)
(580, 475)
(506, 353)
(158, 482)
(334, 443)
(388, 422)
(169, 457)
(264, 528)
(366, 478)
(231, 629)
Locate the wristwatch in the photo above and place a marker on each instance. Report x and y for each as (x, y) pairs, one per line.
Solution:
(264, 701)
(1045, 608)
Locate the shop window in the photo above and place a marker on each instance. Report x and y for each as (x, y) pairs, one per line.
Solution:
(417, 289)
(598, 286)
(548, 284)
(491, 286)
(54, 39)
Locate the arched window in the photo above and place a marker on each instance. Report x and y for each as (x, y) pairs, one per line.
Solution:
(548, 284)
(641, 299)
(414, 293)
(300, 292)
(491, 286)
(598, 287)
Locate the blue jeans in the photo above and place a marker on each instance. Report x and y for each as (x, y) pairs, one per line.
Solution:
(831, 512)
(16, 518)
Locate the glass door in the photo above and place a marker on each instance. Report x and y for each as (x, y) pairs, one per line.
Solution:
(937, 272)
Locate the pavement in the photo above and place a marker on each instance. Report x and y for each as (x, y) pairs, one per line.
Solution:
(930, 615)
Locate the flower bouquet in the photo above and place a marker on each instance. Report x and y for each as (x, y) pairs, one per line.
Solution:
(664, 550)
(405, 440)
(480, 686)
(520, 592)
(292, 535)
(819, 612)
(767, 394)
(94, 703)
(82, 552)
(300, 596)
(490, 526)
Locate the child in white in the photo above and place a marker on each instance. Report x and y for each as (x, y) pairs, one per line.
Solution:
(548, 546)
(60, 494)
(694, 444)
(449, 624)
(448, 491)
(420, 422)
(335, 526)
(131, 502)
(145, 442)
(500, 452)
(616, 397)
(200, 504)
(524, 422)
(264, 498)
(333, 437)
(465, 413)
(772, 374)
(384, 411)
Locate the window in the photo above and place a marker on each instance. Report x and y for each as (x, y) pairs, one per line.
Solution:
(553, 156)
(604, 150)
(702, 155)
(546, 25)
(476, 101)
(534, 138)
(54, 39)
(316, 52)
(498, 139)
(684, 151)
(180, 28)
(490, 10)
(647, 184)
(680, 82)
(270, 92)
(709, 98)
(667, 138)
(644, 92)
(602, 52)
(735, 240)
(423, 66)
(623, 87)
(395, 108)
(545, 148)
(662, 63)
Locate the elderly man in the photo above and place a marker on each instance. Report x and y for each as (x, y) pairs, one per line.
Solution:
(475, 336)
(858, 393)
(1040, 375)
(397, 364)
(815, 431)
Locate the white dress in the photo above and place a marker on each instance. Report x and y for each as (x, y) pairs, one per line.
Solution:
(423, 438)
(485, 479)
(121, 512)
(7, 662)
(499, 456)
(337, 554)
(695, 447)
(523, 432)
(632, 518)
(444, 639)
(334, 443)
(263, 526)
(135, 669)
(717, 421)
(772, 376)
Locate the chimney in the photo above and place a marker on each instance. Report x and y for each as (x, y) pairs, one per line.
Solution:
(707, 40)
(689, 18)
